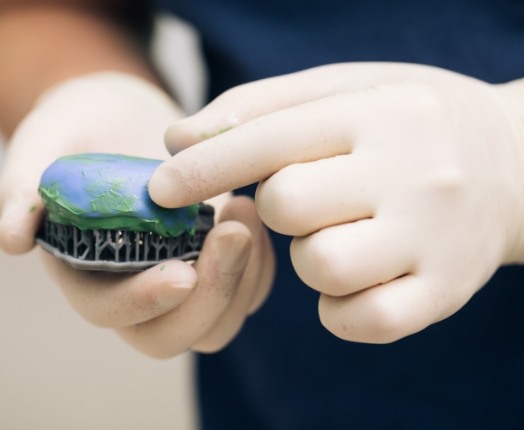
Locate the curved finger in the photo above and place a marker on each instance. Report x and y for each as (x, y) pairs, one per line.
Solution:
(248, 154)
(255, 277)
(220, 267)
(388, 312)
(259, 148)
(343, 259)
(21, 208)
(252, 100)
(303, 198)
(20, 218)
(116, 300)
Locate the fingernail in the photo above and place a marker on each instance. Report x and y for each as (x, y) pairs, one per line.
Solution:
(233, 252)
(176, 290)
(174, 294)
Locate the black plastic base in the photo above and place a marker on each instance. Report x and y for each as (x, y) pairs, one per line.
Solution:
(120, 250)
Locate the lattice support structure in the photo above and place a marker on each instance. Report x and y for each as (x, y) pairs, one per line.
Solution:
(117, 245)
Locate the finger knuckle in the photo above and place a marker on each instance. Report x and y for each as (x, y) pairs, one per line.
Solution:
(386, 323)
(325, 270)
(412, 100)
(280, 203)
(378, 321)
(446, 183)
(276, 205)
(422, 100)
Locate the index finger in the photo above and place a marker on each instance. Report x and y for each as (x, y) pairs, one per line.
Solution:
(259, 148)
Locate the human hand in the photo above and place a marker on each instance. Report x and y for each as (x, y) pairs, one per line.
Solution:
(103, 112)
(402, 185)
(175, 306)
(122, 114)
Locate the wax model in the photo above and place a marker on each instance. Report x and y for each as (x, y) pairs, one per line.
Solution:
(99, 216)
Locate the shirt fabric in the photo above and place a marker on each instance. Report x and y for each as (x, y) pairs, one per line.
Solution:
(284, 371)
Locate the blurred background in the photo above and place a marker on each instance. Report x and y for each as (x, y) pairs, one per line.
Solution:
(57, 372)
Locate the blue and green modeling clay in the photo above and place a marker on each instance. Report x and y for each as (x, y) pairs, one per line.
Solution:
(109, 192)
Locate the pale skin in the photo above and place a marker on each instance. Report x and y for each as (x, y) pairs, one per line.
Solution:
(401, 185)
(99, 94)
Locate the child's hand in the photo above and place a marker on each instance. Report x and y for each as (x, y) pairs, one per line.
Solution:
(402, 184)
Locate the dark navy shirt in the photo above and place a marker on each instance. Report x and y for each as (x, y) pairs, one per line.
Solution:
(285, 371)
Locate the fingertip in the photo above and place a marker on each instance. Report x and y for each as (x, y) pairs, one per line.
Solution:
(178, 137)
(209, 122)
(164, 187)
(19, 222)
(175, 280)
(14, 243)
(228, 245)
(233, 235)
(184, 180)
(231, 229)
(175, 274)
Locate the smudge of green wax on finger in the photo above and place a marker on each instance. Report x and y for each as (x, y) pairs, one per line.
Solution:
(109, 192)
(206, 135)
